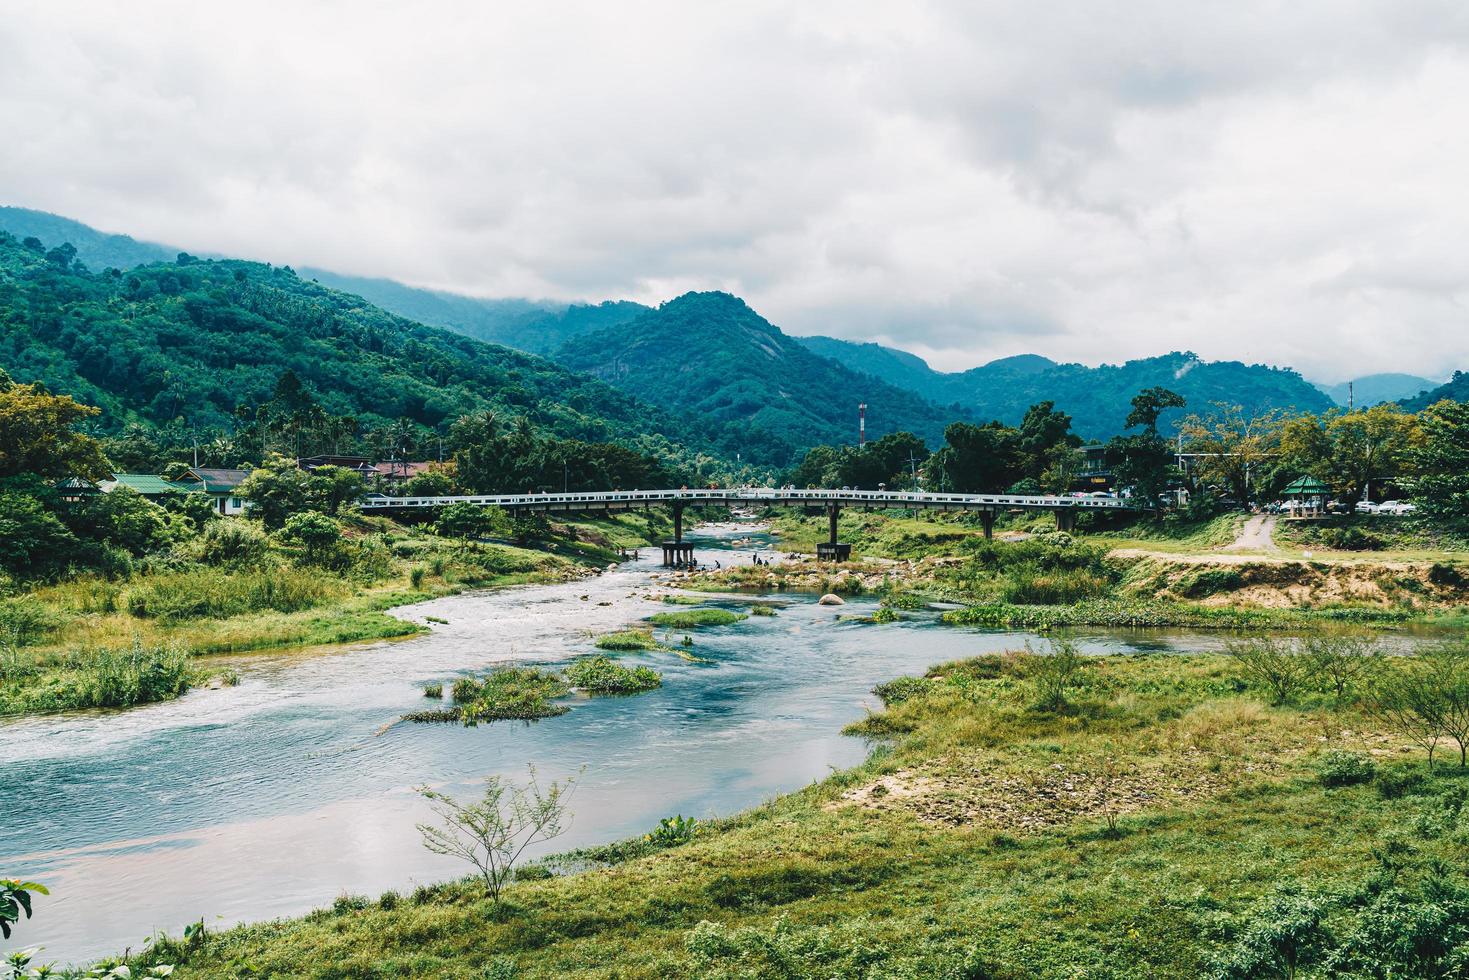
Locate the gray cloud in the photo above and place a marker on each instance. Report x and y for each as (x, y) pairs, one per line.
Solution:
(1090, 181)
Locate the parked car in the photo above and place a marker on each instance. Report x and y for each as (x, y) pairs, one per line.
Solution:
(1396, 508)
(1367, 507)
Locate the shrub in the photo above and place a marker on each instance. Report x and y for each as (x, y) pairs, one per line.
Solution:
(1281, 934)
(1338, 768)
(1054, 673)
(1281, 667)
(1397, 782)
(675, 830)
(1209, 581)
(213, 593)
(415, 576)
(1351, 539)
(884, 615)
(433, 690)
(464, 690)
(317, 534)
(602, 676)
(232, 543)
(761, 611)
(24, 621)
(521, 693)
(1030, 585)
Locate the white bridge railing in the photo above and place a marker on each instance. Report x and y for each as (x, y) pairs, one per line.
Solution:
(753, 495)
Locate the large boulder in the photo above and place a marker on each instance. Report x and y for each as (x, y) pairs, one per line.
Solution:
(831, 599)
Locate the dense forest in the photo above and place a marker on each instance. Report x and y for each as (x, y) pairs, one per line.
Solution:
(198, 347)
(750, 388)
(1455, 389)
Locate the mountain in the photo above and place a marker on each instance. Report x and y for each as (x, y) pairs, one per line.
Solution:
(189, 342)
(1373, 389)
(752, 388)
(896, 367)
(1097, 398)
(1455, 389)
(537, 326)
(95, 248)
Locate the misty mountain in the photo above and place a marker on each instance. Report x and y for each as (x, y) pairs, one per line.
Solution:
(96, 248)
(1455, 389)
(1373, 389)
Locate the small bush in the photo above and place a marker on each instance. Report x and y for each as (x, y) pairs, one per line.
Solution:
(433, 690)
(1345, 769)
(1351, 539)
(885, 615)
(465, 689)
(761, 611)
(233, 543)
(602, 676)
(1279, 666)
(675, 830)
(898, 690)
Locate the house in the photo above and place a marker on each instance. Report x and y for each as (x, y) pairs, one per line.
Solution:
(1095, 473)
(144, 484)
(399, 471)
(220, 485)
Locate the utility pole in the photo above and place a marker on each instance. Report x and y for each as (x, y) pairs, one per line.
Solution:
(1351, 396)
(861, 425)
(913, 468)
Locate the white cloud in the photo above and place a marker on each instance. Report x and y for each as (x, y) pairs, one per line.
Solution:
(1090, 181)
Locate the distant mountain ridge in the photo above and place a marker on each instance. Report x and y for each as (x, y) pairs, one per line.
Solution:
(1455, 389)
(1374, 389)
(1097, 398)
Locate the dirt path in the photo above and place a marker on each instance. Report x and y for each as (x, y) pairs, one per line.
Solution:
(1257, 535)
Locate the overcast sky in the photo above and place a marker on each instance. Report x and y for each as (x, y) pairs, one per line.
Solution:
(1285, 182)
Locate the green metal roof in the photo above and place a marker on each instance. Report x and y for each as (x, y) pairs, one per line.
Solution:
(144, 483)
(219, 481)
(1307, 486)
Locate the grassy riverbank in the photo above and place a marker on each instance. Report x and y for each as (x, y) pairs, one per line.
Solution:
(1144, 815)
(62, 645)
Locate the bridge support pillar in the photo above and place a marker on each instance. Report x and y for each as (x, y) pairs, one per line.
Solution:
(987, 521)
(677, 554)
(1066, 519)
(832, 549)
(678, 522)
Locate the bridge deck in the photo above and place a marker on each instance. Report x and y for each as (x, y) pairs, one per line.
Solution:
(628, 499)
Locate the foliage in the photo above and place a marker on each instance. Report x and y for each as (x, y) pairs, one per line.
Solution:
(38, 434)
(493, 832)
(463, 520)
(316, 533)
(1339, 768)
(1282, 933)
(100, 679)
(15, 901)
(1349, 449)
(1427, 698)
(275, 490)
(692, 618)
(1440, 462)
(675, 830)
(627, 640)
(1054, 674)
(1231, 446)
(890, 461)
(514, 693)
(232, 544)
(600, 675)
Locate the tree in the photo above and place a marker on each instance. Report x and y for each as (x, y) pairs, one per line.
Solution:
(1439, 462)
(977, 458)
(1149, 404)
(277, 489)
(464, 520)
(1231, 446)
(1427, 698)
(316, 533)
(38, 434)
(33, 539)
(492, 833)
(1349, 450)
(1041, 431)
(329, 488)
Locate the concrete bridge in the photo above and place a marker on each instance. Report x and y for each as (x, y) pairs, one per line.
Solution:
(677, 551)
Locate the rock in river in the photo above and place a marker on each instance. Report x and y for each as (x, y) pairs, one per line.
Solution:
(831, 599)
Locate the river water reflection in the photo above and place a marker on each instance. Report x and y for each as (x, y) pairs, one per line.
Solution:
(273, 797)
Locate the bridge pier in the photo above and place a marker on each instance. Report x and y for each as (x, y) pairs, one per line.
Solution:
(1065, 519)
(832, 549)
(677, 554)
(987, 521)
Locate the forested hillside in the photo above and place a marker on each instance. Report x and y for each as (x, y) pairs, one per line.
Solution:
(96, 248)
(1455, 389)
(537, 326)
(198, 344)
(749, 387)
(1095, 397)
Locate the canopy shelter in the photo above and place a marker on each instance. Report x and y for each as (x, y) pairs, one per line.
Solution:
(1307, 493)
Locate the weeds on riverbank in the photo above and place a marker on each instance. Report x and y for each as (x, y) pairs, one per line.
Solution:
(94, 679)
(1128, 613)
(627, 640)
(505, 694)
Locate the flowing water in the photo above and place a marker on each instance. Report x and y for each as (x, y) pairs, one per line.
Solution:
(274, 797)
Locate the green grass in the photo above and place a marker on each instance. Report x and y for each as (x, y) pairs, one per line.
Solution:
(1136, 612)
(96, 679)
(628, 640)
(600, 675)
(1132, 832)
(504, 694)
(694, 618)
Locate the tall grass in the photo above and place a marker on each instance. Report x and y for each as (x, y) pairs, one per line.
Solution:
(212, 593)
(103, 679)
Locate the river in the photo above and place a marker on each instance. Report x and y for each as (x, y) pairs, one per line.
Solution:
(276, 796)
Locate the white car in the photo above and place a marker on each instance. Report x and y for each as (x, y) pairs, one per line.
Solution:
(1368, 507)
(1397, 508)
